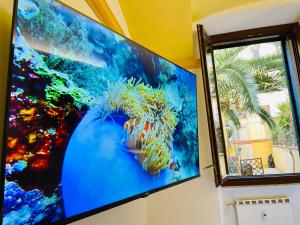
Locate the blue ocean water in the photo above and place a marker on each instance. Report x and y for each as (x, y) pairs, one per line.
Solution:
(97, 168)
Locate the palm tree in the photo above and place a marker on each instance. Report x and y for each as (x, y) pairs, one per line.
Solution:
(240, 81)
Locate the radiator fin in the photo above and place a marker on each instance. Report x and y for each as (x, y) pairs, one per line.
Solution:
(273, 211)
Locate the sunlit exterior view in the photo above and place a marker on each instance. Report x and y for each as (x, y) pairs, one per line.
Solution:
(255, 103)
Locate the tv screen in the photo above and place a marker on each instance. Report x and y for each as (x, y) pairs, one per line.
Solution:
(93, 119)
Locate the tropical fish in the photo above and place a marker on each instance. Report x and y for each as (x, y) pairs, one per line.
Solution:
(148, 127)
(130, 124)
(172, 166)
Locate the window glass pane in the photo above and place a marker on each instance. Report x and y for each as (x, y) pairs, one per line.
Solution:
(294, 78)
(216, 114)
(255, 102)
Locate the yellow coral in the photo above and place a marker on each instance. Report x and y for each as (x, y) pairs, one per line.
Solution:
(157, 154)
(145, 105)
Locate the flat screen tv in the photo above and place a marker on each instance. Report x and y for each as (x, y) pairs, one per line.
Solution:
(93, 120)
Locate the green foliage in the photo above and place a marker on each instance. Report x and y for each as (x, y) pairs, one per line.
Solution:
(284, 132)
(238, 87)
(269, 73)
(285, 118)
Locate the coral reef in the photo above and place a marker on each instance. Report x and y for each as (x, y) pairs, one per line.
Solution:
(59, 83)
(153, 69)
(17, 167)
(166, 71)
(43, 105)
(37, 20)
(152, 120)
(27, 10)
(138, 108)
(186, 135)
(30, 207)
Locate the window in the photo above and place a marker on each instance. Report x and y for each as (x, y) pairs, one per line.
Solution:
(252, 99)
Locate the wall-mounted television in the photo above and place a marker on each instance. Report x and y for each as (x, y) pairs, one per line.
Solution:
(93, 120)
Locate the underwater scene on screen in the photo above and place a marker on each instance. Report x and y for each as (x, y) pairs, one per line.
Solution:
(92, 118)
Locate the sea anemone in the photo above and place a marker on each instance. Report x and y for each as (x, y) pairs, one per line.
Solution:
(157, 153)
(152, 120)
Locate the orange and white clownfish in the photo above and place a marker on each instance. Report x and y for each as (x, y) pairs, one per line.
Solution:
(130, 124)
(148, 127)
(172, 166)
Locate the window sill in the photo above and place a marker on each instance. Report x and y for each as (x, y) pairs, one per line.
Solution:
(260, 180)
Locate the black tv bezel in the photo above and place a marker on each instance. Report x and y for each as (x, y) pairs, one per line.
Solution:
(5, 126)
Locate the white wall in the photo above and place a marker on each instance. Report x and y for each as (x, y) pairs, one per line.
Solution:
(259, 14)
(133, 213)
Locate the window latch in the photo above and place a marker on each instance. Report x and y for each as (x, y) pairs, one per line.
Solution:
(208, 167)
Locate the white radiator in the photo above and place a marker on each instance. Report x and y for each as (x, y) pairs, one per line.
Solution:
(265, 212)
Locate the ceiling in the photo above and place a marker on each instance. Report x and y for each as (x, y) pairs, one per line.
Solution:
(204, 8)
(261, 14)
(165, 26)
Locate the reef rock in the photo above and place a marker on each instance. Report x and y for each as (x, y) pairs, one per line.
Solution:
(27, 9)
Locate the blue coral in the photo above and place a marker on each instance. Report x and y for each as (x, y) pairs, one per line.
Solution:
(29, 207)
(14, 197)
(8, 170)
(19, 166)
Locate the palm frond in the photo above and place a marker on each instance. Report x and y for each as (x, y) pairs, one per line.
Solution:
(265, 116)
(232, 116)
(237, 86)
(267, 63)
(269, 73)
